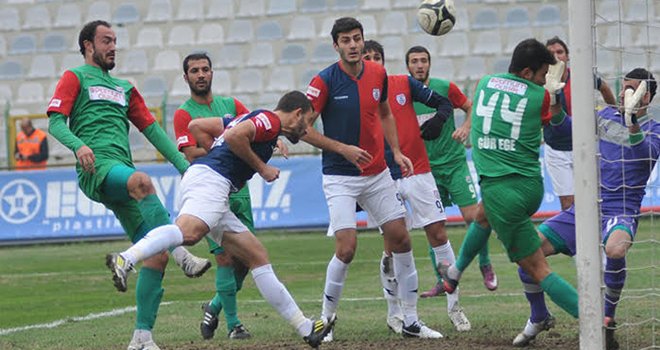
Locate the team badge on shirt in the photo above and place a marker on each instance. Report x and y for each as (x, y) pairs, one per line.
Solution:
(376, 94)
(262, 120)
(401, 99)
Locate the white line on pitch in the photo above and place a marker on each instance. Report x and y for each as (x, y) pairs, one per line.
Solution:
(57, 323)
(117, 312)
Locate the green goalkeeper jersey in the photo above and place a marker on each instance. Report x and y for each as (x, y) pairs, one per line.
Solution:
(506, 125)
(444, 150)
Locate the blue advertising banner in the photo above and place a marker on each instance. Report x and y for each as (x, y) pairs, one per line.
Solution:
(42, 205)
(47, 205)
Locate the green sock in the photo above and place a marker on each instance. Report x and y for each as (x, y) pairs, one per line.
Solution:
(226, 290)
(435, 265)
(148, 293)
(475, 238)
(153, 212)
(484, 256)
(561, 293)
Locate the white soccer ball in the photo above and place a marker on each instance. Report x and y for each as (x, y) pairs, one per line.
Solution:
(436, 17)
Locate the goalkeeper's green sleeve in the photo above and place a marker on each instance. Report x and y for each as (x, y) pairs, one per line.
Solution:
(159, 139)
(61, 132)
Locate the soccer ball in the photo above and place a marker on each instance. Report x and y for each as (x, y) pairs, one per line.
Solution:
(436, 17)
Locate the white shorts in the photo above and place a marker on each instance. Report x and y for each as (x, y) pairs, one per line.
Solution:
(422, 196)
(560, 169)
(204, 194)
(376, 194)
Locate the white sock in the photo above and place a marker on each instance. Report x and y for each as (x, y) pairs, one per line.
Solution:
(279, 298)
(179, 254)
(406, 274)
(157, 240)
(142, 335)
(334, 284)
(444, 253)
(390, 286)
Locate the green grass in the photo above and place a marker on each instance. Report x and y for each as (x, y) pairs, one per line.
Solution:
(46, 283)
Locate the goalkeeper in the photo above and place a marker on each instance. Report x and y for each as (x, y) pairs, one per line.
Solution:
(629, 145)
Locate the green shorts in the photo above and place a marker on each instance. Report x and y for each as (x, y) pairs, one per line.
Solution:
(455, 185)
(113, 193)
(509, 202)
(240, 204)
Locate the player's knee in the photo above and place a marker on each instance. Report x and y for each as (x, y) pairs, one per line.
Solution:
(223, 259)
(436, 233)
(140, 185)
(616, 251)
(157, 262)
(345, 254)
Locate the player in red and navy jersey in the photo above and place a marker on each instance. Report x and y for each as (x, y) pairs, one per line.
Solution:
(418, 190)
(351, 97)
(243, 150)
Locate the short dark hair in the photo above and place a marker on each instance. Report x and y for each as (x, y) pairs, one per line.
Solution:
(417, 49)
(343, 25)
(373, 45)
(532, 54)
(555, 40)
(643, 74)
(88, 32)
(293, 100)
(194, 57)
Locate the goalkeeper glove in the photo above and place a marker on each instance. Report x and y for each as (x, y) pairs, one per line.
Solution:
(631, 99)
(432, 128)
(553, 80)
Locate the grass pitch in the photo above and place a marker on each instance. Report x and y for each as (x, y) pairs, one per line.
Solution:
(61, 297)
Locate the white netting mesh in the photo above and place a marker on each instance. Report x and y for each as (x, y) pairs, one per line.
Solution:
(627, 36)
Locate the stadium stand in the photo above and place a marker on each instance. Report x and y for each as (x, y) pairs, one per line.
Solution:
(283, 43)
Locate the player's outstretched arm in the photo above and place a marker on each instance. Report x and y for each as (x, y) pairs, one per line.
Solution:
(157, 137)
(205, 130)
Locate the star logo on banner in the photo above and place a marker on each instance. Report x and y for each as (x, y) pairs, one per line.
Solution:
(19, 201)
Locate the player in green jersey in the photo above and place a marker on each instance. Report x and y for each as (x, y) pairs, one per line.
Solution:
(448, 163)
(99, 108)
(506, 135)
(198, 73)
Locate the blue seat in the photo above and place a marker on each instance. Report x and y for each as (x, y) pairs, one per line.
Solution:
(37, 17)
(126, 13)
(11, 70)
(23, 44)
(548, 15)
(485, 18)
(324, 52)
(313, 6)
(269, 30)
(293, 54)
(517, 17)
